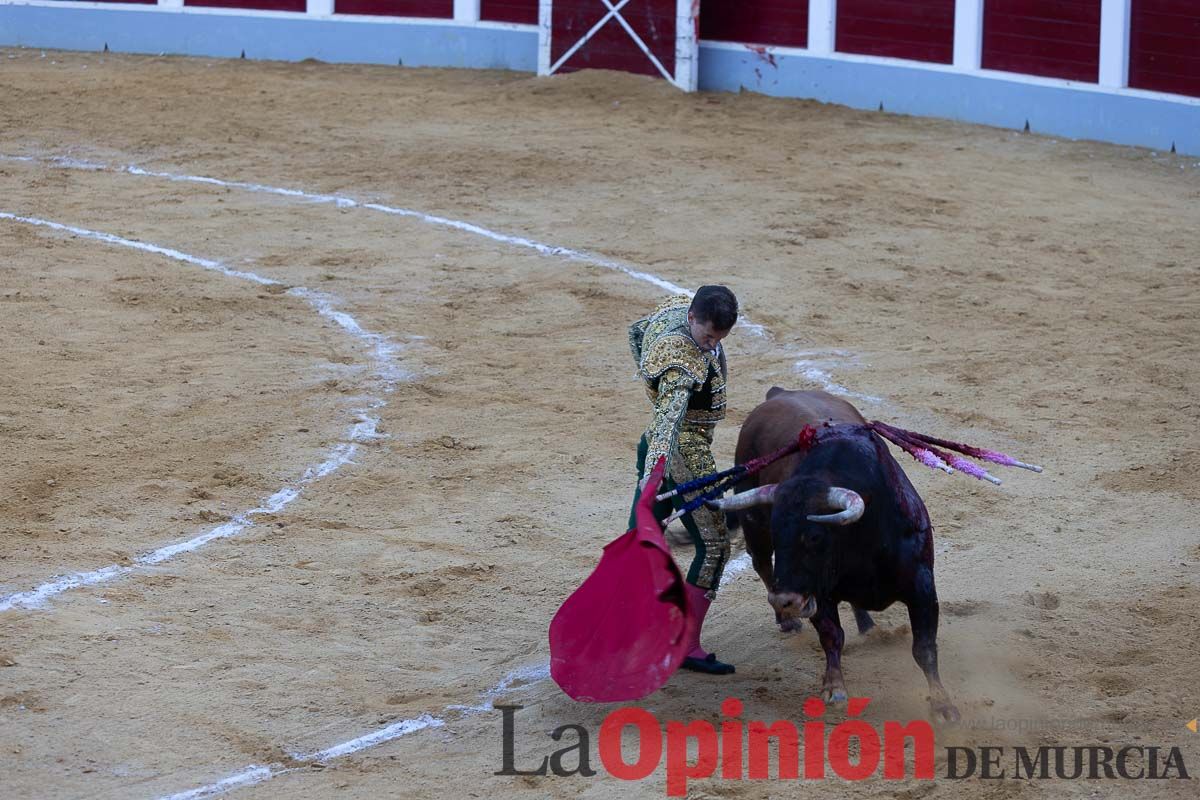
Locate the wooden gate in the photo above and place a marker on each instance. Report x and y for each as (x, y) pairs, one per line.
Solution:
(650, 37)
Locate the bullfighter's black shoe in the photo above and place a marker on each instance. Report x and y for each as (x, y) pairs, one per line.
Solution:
(708, 665)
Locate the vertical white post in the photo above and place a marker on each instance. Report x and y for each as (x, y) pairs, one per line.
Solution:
(822, 26)
(170, 3)
(968, 34)
(464, 10)
(544, 12)
(317, 8)
(1114, 43)
(687, 44)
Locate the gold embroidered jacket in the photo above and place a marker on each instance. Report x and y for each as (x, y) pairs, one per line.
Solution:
(685, 384)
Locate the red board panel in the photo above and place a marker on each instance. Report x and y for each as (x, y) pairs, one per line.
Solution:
(256, 5)
(1164, 46)
(1054, 38)
(523, 11)
(778, 22)
(611, 47)
(440, 9)
(919, 30)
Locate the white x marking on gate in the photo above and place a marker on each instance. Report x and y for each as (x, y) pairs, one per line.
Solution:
(613, 12)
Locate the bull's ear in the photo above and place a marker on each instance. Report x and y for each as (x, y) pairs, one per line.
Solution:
(849, 503)
(763, 495)
(774, 390)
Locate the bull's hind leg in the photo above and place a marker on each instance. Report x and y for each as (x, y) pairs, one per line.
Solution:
(863, 620)
(923, 616)
(829, 628)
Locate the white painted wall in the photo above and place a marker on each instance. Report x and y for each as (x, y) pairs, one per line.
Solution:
(822, 26)
(1114, 43)
(1108, 110)
(968, 34)
(822, 29)
(687, 45)
(464, 10)
(545, 15)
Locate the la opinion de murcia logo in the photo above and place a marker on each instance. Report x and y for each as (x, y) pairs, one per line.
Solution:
(853, 750)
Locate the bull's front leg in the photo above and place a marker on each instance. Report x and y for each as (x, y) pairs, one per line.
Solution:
(829, 628)
(923, 616)
(756, 527)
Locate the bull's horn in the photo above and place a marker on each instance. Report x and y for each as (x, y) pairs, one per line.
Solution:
(763, 495)
(851, 503)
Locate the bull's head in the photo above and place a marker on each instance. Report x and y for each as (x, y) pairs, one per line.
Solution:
(807, 515)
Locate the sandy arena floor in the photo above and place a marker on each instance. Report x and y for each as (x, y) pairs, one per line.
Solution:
(1039, 296)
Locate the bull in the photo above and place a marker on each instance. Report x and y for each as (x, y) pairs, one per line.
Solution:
(838, 522)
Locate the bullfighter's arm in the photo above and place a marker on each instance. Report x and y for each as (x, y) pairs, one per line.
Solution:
(674, 389)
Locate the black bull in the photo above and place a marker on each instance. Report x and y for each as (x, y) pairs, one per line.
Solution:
(870, 546)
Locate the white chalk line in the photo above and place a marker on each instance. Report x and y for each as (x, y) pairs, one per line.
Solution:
(254, 773)
(343, 201)
(811, 368)
(518, 680)
(734, 568)
(816, 373)
(388, 370)
(813, 372)
(248, 777)
(815, 366)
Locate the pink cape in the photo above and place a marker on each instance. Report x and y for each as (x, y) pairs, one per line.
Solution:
(623, 633)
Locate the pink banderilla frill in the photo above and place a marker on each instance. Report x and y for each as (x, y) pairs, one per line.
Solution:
(927, 450)
(981, 453)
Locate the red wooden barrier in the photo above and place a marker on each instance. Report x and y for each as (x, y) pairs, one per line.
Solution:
(919, 30)
(778, 22)
(441, 9)
(256, 5)
(1164, 47)
(1054, 38)
(611, 47)
(523, 11)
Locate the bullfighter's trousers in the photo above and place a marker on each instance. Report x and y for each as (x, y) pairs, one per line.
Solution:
(691, 459)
